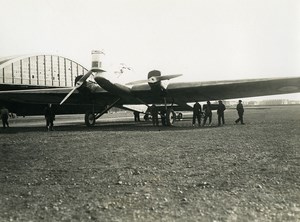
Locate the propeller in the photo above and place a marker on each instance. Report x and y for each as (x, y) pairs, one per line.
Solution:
(77, 85)
(154, 79)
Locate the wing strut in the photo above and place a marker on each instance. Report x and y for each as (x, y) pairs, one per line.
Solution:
(107, 108)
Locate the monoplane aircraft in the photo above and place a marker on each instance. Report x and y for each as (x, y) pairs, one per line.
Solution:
(98, 96)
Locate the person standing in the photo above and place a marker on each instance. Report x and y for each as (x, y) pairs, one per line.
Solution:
(220, 112)
(4, 116)
(240, 110)
(136, 116)
(49, 116)
(208, 113)
(154, 114)
(197, 113)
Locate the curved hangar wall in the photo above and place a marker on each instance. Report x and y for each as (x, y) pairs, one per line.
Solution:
(39, 70)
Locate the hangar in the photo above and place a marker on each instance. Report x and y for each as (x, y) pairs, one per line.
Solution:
(38, 71)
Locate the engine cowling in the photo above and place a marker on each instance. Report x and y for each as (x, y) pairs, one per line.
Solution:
(152, 76)
(154, 81)
(77, 78)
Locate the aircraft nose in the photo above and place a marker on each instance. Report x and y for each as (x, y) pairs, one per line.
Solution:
(152, 80)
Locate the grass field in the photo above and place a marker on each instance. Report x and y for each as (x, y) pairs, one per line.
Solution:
(124, 171)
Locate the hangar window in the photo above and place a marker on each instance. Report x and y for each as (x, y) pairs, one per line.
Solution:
(74, 72)
(62, 77)
(48, 69)
(25, 71)
(8, 74)
(68, 73)
(41, 69)
(55, 70)
(17, 72)
(33, 70)
(1, 76)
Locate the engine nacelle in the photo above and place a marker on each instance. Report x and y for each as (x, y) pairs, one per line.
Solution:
(153, 74)
(154, 81)
(87, 86)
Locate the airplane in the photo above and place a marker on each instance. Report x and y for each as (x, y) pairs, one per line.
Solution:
(97, 97)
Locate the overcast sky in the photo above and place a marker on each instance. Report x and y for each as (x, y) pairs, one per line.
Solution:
(202, 39)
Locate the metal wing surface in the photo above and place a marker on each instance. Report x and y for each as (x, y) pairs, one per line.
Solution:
(218, 90)
(55, 96)
(179, 93)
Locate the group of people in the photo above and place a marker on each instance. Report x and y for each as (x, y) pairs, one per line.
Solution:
(154, 112)
(207, 113)
(198, 115)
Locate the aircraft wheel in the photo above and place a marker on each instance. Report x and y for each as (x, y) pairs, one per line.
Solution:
(171, 117)
(89, 118)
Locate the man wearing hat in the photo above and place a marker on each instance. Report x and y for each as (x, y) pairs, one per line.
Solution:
(220, 112)
(197, 113)
(240, 110)
(49, 116)
(208, 113)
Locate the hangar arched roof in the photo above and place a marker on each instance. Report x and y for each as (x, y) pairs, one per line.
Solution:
(39, 70)
(4, 61)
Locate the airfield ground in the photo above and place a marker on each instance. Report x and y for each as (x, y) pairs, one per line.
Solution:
(123, 171)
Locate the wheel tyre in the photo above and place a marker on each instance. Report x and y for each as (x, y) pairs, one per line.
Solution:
(171, 117)
(89, 118)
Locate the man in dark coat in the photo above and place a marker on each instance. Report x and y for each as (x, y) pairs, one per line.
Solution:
(220, 112)
(49, 116)
(197, 113)
(154, 114)
(208, 113)
(4, 117)
(136, 116)
(240, 110)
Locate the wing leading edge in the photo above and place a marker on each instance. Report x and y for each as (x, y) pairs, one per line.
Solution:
(179, 93)
(202, 91)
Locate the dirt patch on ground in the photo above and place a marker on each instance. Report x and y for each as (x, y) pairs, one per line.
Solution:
(136, 172)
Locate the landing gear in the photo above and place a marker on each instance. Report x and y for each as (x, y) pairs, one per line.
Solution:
(89, 118)
(168, 118)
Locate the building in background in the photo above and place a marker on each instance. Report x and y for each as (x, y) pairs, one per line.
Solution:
(38, 71)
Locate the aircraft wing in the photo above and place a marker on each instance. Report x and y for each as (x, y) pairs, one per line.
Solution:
(55, 96)
(177, 93)
(218, 90)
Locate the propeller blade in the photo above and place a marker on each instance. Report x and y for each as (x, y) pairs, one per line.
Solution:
(83, 79)
(78, 85)
(168, 77)
(157, 78)
(137, 82)
(67, 96)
